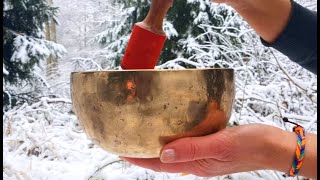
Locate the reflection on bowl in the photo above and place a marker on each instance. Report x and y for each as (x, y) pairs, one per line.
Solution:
(134, 113)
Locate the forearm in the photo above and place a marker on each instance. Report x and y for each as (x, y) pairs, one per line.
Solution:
(281, 150)
(284, 25)
(267, 17)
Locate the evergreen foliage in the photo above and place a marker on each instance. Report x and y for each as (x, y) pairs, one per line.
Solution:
(183, 21)
(24, 46)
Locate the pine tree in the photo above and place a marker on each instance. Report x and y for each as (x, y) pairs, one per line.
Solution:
(183, 21)
(116, 30)
(24, 44)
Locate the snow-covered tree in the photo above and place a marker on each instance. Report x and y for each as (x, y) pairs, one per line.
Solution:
(192, 19)
(268, 85)
(116, 29)
(25, 49)
(183, 21)
(43, 138)
(77, 28)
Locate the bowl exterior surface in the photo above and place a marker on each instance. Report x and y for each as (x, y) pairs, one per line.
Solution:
(135, 113)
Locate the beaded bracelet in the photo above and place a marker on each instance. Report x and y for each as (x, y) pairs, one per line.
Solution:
(299, 155)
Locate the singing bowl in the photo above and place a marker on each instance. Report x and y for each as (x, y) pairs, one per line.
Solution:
(133, 113)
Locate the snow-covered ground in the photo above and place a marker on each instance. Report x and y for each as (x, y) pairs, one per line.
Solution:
(44, 141)
(33, 149)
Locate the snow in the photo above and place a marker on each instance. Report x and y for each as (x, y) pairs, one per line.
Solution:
(70, 155)
(5, 72)
(169, 29)
(201, 18)
(27, 47)
(43, 140)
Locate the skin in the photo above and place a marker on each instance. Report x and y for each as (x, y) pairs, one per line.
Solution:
(242, 148)
(154, 19)
(267, 17)
(232, 150)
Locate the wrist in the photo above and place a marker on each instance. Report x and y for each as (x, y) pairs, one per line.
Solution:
(270, 148)
(152, 27)
(268, 18)
(279, 150)
(264, 147)
(154, 20)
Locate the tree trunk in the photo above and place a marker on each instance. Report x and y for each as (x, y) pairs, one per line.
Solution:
(52, 63)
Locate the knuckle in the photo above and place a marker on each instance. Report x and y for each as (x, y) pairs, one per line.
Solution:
(224, 150)
(197, 169)
(194, 150)
(163, 168)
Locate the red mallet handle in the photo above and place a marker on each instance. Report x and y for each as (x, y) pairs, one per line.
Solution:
(147, 38)
(143, 50)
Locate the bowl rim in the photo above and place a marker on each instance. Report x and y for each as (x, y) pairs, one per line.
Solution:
(151, 70)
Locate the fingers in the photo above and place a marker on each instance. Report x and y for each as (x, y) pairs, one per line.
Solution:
(156, 165)
(218, 146)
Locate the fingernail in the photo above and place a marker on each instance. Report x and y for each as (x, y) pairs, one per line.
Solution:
(167, 155)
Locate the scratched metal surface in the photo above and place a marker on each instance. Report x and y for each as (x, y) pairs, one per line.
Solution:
(134, 113)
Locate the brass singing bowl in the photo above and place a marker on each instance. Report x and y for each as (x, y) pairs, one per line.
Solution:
(133, 113)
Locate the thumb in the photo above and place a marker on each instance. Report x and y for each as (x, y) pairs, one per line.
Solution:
(218, 146)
